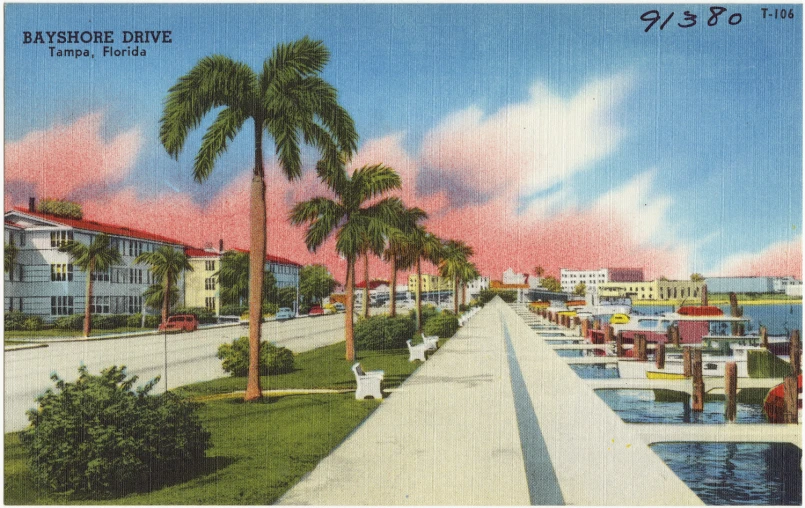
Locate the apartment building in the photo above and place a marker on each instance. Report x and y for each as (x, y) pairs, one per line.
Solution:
(430, 283)
(593, 278)
(661, 290)
(43, 281)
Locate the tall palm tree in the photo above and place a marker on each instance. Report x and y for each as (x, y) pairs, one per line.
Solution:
(421, 245)
(455, 254)
(467, 273)
(288, 101)
(398, 248)
(155, 296)
(166, 264)
(233, 277)
(98, 256)
(356, 224)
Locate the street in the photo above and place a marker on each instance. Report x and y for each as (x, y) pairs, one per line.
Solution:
(191, 358)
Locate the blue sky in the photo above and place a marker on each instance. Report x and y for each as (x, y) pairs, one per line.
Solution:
(708, 118)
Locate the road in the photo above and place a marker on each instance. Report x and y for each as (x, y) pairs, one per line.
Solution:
(191, 358)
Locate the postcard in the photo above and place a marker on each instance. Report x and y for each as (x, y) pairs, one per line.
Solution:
(398, 254)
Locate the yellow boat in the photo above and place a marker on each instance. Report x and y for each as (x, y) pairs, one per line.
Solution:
(652, 374)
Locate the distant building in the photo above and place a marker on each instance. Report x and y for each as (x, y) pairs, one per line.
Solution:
(476, 286)
(780, 284)
(794, 288)
(740, 284)
(511, 277)
(659, 290)
(593, 278)
(430, 283)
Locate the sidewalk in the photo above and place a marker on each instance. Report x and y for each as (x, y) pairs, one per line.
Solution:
(447, 436)
(493, 418)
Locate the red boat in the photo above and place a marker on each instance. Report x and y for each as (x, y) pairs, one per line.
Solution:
(774, 405)
(697, 310)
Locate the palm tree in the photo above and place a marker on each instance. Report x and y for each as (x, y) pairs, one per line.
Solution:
(357, 225)
(98, 256)
(10, 257)
(233, 277)
(455, 254)
(539, 271)
(166, 264)
(398, 247)
(286, 99)
(421, 245)
(468, 272)
(155, 296)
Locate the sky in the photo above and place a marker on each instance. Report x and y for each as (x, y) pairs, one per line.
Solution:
(560, 136)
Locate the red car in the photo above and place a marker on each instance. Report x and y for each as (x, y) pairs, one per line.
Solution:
(316, 310)
(180, 323)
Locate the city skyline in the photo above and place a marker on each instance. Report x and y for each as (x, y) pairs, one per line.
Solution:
(563, 136)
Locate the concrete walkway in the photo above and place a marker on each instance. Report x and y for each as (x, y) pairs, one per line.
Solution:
(493, 418)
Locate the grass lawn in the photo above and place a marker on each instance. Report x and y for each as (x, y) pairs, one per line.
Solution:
(260, 450)
(70, 333)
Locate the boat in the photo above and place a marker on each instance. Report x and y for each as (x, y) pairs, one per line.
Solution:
(774, 404)
(751, 362)
(700, 310)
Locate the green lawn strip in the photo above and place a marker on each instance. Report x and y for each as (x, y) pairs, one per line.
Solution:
(70, 333)
(259, 450)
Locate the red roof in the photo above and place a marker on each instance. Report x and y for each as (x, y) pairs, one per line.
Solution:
(373, 284)
(109, 229)
(200, 253)
(274, 259)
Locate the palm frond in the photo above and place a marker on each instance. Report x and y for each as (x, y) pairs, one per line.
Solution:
(215, 141)
(213, 82)
(302, 57)
(374, 180)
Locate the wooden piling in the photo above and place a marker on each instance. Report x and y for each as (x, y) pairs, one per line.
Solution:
(687, 362)
(619, 344)
(795, 353)
(704, 295)
(640, 347)
(607, 333)
(790, 399)
(730, 390)
(697, 402)
(659, 356)
(597, 324)
(675, 335)
(764, 337)
(585, 326)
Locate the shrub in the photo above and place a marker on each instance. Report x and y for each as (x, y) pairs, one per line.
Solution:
(135, 320)
(32, 323)
(268, 308)
(273, 359)
(71, 322)
(444, 325)
(507, 295)
(428, 311)
(383, 332)
(14, 320)
(234, 310)
(109, 321)
(60, 208)
(97, 435)
(203, 314)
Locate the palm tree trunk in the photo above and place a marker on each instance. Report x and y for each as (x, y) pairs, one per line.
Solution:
(418, 295)
(257, 233)
(366, 287)
(455, 295)
(166, 286)
(350, 308)
(393, 288)
(87, 311)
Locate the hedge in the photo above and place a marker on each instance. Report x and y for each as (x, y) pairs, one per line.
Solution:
(383, 332)
(273, 359)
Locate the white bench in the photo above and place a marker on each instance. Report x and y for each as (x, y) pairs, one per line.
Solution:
(416, 352)
(432, 341)
(368, 382)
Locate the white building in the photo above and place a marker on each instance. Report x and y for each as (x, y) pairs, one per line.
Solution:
(476, 286)
(591, 278)
(511, 277)
(780, 284)
(44, 282)
(794, 288)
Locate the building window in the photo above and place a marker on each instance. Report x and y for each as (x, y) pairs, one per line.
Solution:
(135, 276)
(61, 272)
(100, 276)
(61, 305)
(99, 305)
(210, 266)
(135, 248)
(209, 283)
(22, 239)
(59, 238)
(135, 304)
(209, 302)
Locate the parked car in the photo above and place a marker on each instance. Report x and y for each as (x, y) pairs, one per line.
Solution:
(339, 307)
(316, 310)
(284, 313)
(180, 323)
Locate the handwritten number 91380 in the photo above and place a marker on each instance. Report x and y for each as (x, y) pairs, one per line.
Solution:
(689, 19)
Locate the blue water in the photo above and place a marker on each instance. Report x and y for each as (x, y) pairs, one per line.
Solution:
(639, 406)
(595, 371)
(778, 319)
(737, 473)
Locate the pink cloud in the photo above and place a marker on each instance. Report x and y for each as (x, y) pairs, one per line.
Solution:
(777, 260)
(65, 158)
